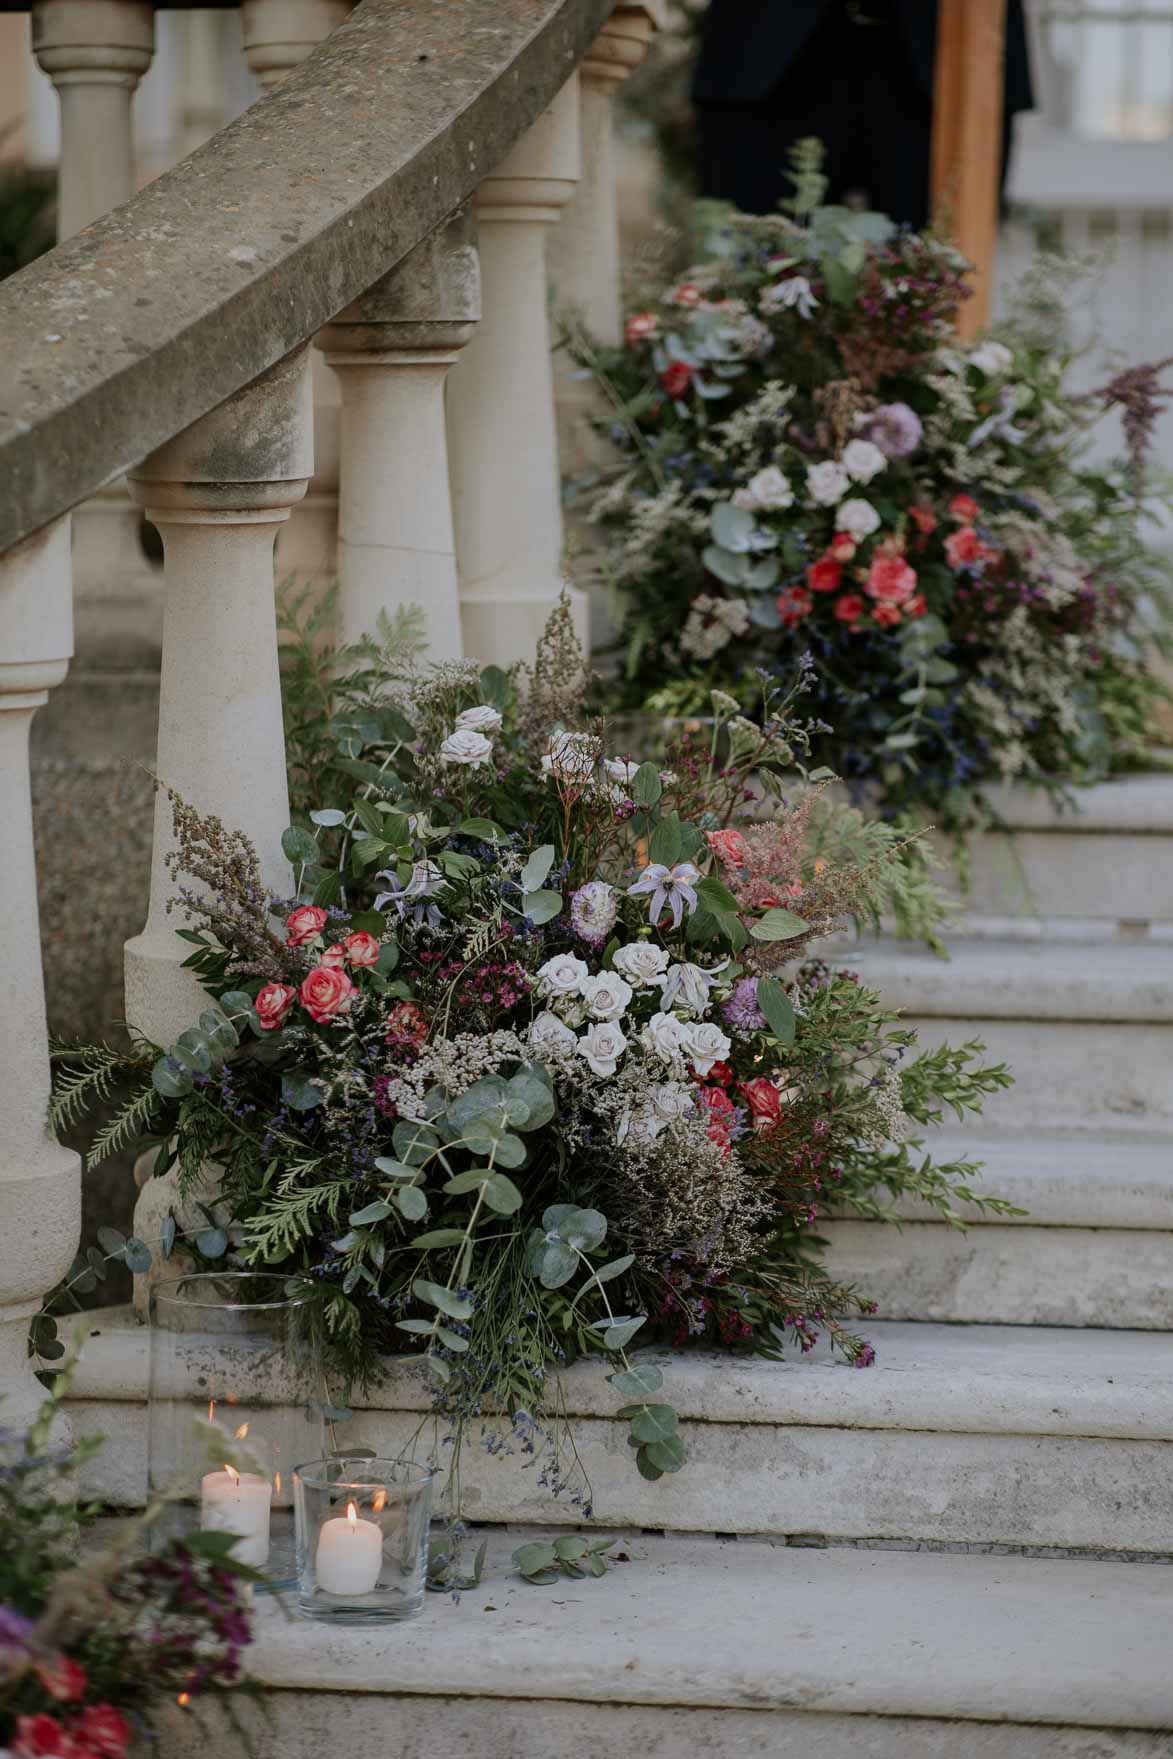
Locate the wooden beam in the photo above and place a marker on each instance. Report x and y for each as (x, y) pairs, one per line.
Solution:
(967, 139)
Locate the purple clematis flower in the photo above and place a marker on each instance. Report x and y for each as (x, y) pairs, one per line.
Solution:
(674, 887)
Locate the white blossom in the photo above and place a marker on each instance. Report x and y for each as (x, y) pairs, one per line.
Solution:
(794, 294)
(602, 1045)
(827, 482)
(642, 964)
(705, 1045)
(769, 488)
(607, 996)
(466, 746)
(992, 358)
(563, 975)
(858, 518)
(862, 460)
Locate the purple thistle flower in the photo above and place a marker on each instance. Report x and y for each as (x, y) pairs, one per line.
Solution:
(593, 910)
(741, 1011)
(895, 429)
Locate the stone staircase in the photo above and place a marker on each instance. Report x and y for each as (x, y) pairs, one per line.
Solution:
(967, 1542)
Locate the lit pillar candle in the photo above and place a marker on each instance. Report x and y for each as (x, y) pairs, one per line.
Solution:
(238, 1502)
(350, 1554)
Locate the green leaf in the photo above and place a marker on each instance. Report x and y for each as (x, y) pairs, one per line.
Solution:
(388, 958)
(484, 830)
(417, 1327)
(667, 1456)
(617, 1266)
(654, 1423)
(369, 817)
(472, 1180)
(212, 1242)
(374, 1212)
(778, 925)
(510, 1150)
(665, 843)
(299, 1093)
(731, 567)
(645, 1468)
(452, 1339)
(533, 875)
(495, 688)
(646, 788)
(413, 1143)
(395, 1169)
(413, 1205)
(112, 1242)
(211, 1544)
(328, 889)
(171, 1079)
(541, 906)
(776, 1006)
(439, 1237)
(717, 896)
(298, 846)
(532, 1558)
(238, 1005)
(551, 1262)
(732, 527)
(535, 1094)
(637, 1382)
(137, 1255)
(618, 1333)
(444, 1299)
(583, 1228)
(502, 1195)
(570, 1547)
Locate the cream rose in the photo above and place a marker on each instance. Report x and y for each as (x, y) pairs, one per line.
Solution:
(642, 964)
(602, 1045)
(482, 719)
(857, 517)
(664, 1035)
(826, 482)
(705, 1044)
(466, 746)
(862, 460)
(562, 975)
(551, 1036)
(607, 996)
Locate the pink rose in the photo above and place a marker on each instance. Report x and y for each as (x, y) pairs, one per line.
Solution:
(765, 1102)
(304, 923)
(686, 294)
(728, 846)
(105, 1729)
(335, 956)
(62, 1677)
(891, 580)
(272, 1005)
(964, 509)
(640, 326)
(362, 949)
(842, 547)
(887, 616)
(325, 992)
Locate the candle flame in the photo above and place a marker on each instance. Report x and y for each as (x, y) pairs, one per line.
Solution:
(380, 1501)
(277, 1483)
(183, 1700)
(241, 1432)
(233, 1474)
(352, 1514)
(211, 1410)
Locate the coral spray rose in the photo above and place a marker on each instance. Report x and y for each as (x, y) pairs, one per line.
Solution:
(964, 509)
(273, 1004)
(641, 326)
(361, 949)
(825, 574)
(887, 616)
(891, 580)
(728, 846)
(924, 519)
(965, 548)
(62, 1677)
(304, 923)
(842, 547)
(325, 993)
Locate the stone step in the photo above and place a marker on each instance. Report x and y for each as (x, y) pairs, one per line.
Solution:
(1108, 854)
(971, 1435)
(738, 1649)
(1086, 1026)
(1095, 1249)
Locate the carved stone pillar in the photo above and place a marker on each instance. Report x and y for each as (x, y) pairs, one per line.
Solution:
(95, 52)
(506, 492)
(392, 350)
(279, 34)
(40, 1182)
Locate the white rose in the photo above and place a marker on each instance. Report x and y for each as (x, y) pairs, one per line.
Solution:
(466, 746)
(562, 975)
(862, 460)
(664, 1035)
(770, 488)
(572, 756)
(551, 1035)
(827, 482)
(688, 986)
(706, 1044)
(621, 769)
(602, 1045)
(859, 518)
(671, 1100)
(482, 719)
(606, 996)
(992, 358)
(642, 964)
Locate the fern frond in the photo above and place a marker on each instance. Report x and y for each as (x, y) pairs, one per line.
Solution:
(125, 1127)
(85, 1075)
(295, 1215)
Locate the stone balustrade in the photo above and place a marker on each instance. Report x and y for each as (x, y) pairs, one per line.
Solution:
(168, 339)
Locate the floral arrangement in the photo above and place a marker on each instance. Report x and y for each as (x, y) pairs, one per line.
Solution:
(810, 463)
(91, 1650)
(539, 1060)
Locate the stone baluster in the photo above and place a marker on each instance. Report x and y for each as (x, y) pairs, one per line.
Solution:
(95, 52)
(40, 1183)
(392, 350)
(506, 492)
(583, 258)
(217, 493)
(279, 34)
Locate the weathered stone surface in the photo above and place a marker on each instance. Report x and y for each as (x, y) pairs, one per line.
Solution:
(795, 1637)
(287, 216)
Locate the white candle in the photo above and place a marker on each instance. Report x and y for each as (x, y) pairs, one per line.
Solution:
(350, 1554)
(238, 1502)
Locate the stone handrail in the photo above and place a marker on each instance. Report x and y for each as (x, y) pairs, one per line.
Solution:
(246, 248)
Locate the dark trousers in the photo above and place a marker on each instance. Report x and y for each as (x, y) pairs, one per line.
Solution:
(852, 87)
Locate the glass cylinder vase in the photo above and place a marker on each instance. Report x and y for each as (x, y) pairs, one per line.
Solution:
(236, 1401)
(362, 1538)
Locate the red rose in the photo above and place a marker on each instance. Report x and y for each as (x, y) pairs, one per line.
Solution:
(887, 616)
(641, 326)
(924, 519)
(272, 1004)
(722, 1115)
(38, 1735)
(361, 949)
(916, 606)
(105, 1729)
(794, 604)
(62, 1677)
(304, 923)
(824, 575)
(849, 608)
(842, 546)
(676, 377)
(406, 1026)
(765, 1102)
(964, 509)
(720, 1075)
(964, 548)
(325, 992)
(728, 846)
(891, 579)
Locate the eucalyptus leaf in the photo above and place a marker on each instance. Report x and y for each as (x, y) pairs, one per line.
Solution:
(583, 1228)
(728, 567)
(395, 1169)
(411, 1202)
(414, 1143)
(533, 875)
(637, 1382)
(667, 1455)
(541, 907)
(373, 1212)
(436, 1296)
(451, 1339)
(328, 817)
(502, 1195)
(212, 1242)
(298, 846)
(654, 1423)
(732, 527)
(300, 1093)
(618, 1333)
(439, 1237)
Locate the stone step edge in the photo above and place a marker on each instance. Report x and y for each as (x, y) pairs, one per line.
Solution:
(1141, 804)
(961, 1379)
(747, 1624)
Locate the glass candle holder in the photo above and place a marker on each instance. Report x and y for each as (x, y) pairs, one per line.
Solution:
(235, 1401)
(362, 1538)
